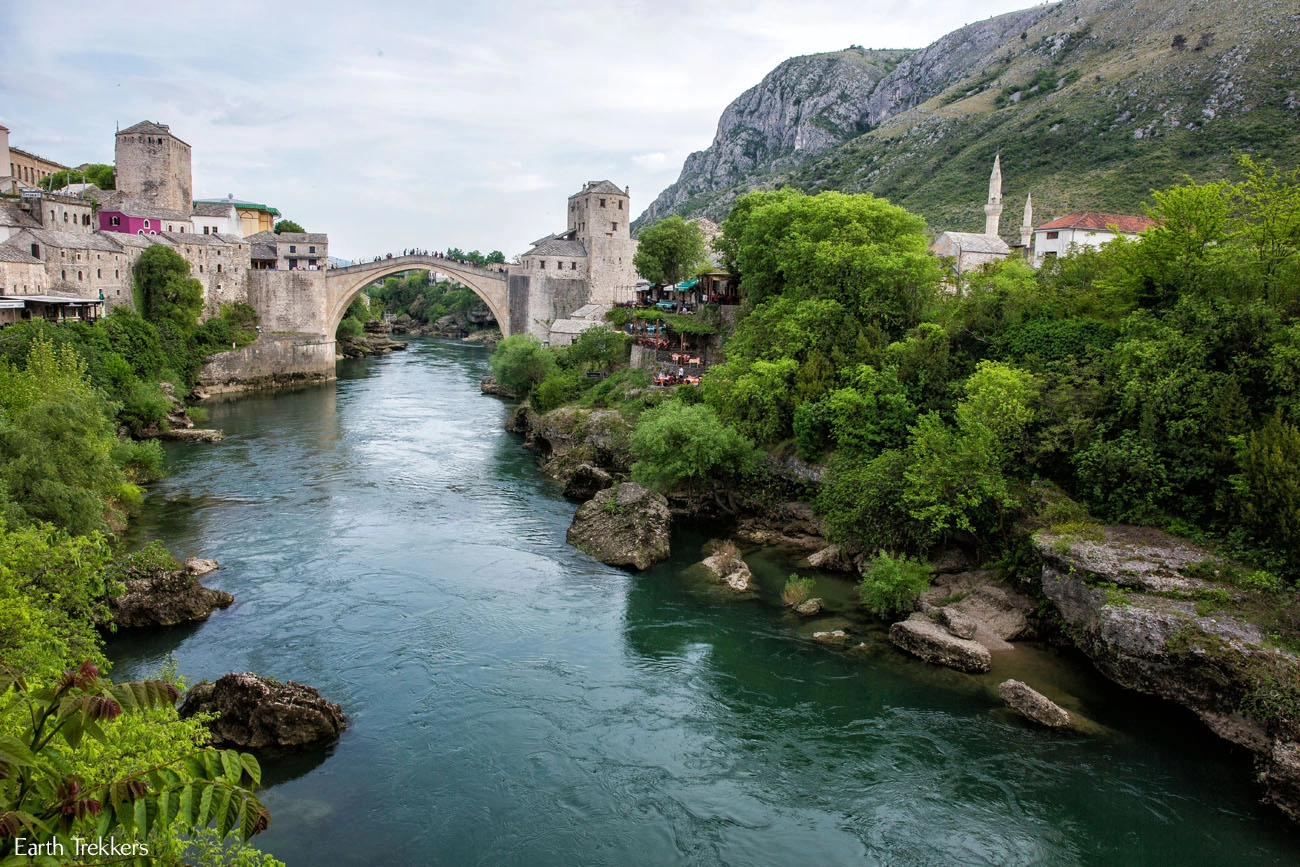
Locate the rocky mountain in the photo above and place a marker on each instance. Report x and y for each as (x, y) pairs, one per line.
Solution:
(1092, 103)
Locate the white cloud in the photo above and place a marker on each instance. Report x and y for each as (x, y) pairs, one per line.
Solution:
(400, 123)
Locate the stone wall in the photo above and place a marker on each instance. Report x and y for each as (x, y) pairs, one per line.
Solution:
(273, 360)
(290, 301)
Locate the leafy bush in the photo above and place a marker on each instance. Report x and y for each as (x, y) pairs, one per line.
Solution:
(557, 389)
(1266, 486)
(675, 444)
(891, 584)
(796, 590)
(520, 362)
(350, 328)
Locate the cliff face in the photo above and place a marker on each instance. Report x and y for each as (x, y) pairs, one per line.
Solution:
(810, 104)
(1091, 103)
(1130, 600)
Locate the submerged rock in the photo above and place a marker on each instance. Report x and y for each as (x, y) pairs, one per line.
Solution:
(256, 713)
(927, 640)
(193, 435)
(809, 607)
(167, 598)
(626, 525)
(1032, 704)
(837, 637)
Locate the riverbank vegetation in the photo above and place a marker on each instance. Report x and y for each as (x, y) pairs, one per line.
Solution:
(80, 756)
(1153, 381)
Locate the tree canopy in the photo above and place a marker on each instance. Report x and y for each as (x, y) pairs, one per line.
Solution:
(288, 226)
(670, 251)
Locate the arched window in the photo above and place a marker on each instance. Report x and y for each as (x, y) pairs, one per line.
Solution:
(146, 224)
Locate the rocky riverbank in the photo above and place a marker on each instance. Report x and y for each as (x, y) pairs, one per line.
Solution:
(1132, 599)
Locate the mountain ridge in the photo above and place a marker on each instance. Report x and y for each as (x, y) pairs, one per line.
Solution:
(1092, 103)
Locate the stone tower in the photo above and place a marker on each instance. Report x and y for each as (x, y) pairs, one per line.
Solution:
(599, 214)
(1027, 227)
(154, 165)
(993, 210)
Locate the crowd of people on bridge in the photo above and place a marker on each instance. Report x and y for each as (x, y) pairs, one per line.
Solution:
(434, 255)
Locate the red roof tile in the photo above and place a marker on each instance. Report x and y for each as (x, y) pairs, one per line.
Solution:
(1100, 222)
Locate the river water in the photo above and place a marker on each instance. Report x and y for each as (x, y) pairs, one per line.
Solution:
(513, 702)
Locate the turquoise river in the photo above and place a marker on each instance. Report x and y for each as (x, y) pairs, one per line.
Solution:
(513, 702)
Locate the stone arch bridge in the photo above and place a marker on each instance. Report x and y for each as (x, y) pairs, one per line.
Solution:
(342, 285)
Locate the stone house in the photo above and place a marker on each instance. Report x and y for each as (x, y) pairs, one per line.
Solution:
(293, 251)
(24, 169)
(1083, 230)
(217, 218)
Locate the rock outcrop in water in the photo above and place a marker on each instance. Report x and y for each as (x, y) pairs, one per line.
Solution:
(566, 438)
(626, 525)
(1128, 601)
(932, 642)
(168, 597)
(1033, 705)
(256, 713)
(726, 567)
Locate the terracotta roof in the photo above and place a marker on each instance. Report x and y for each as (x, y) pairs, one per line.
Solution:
(1099, 222)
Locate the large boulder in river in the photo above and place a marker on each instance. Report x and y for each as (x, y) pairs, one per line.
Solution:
(256, 713)
(586, 482)
(927, 640)
(166, 598)
(626, 525)
(1138, 604)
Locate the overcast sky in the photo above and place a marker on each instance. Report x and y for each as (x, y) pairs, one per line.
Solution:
(392, 124)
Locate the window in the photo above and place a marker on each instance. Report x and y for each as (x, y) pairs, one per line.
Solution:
(218, 267)
(36, 251)
(602, 203)
(200, 269)
(1052, 236)
(78, 275)
(115, 274)
(115, 221)
(182, 230)
(620, 204)
(205, 230)
(63, 275)
(541, 263)
(85, 219)
(311, 249)
(65, 216)
(146, 224)
(293, 248)
(615, 225)
(573, 266)
(99, 272)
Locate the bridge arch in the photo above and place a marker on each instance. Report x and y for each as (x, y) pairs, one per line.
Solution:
(345, 284)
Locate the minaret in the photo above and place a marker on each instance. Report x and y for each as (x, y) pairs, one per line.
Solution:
(1027, 227)
(993, 210)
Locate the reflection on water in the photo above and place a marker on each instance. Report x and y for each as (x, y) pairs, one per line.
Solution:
(514, 702)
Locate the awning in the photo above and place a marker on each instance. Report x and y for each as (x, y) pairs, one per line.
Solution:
(61, 299)
(12, 304)
(687, 285)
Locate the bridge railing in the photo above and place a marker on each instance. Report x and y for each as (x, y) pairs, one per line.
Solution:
(427, 260)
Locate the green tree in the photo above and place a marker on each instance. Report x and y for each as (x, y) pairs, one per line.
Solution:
(287, 226)
(102, 176)
(520, 362)
(669, 251)
(57, 445)
(675, 444)
(165, 291)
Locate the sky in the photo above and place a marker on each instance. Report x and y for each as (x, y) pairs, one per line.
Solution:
(394, 125)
